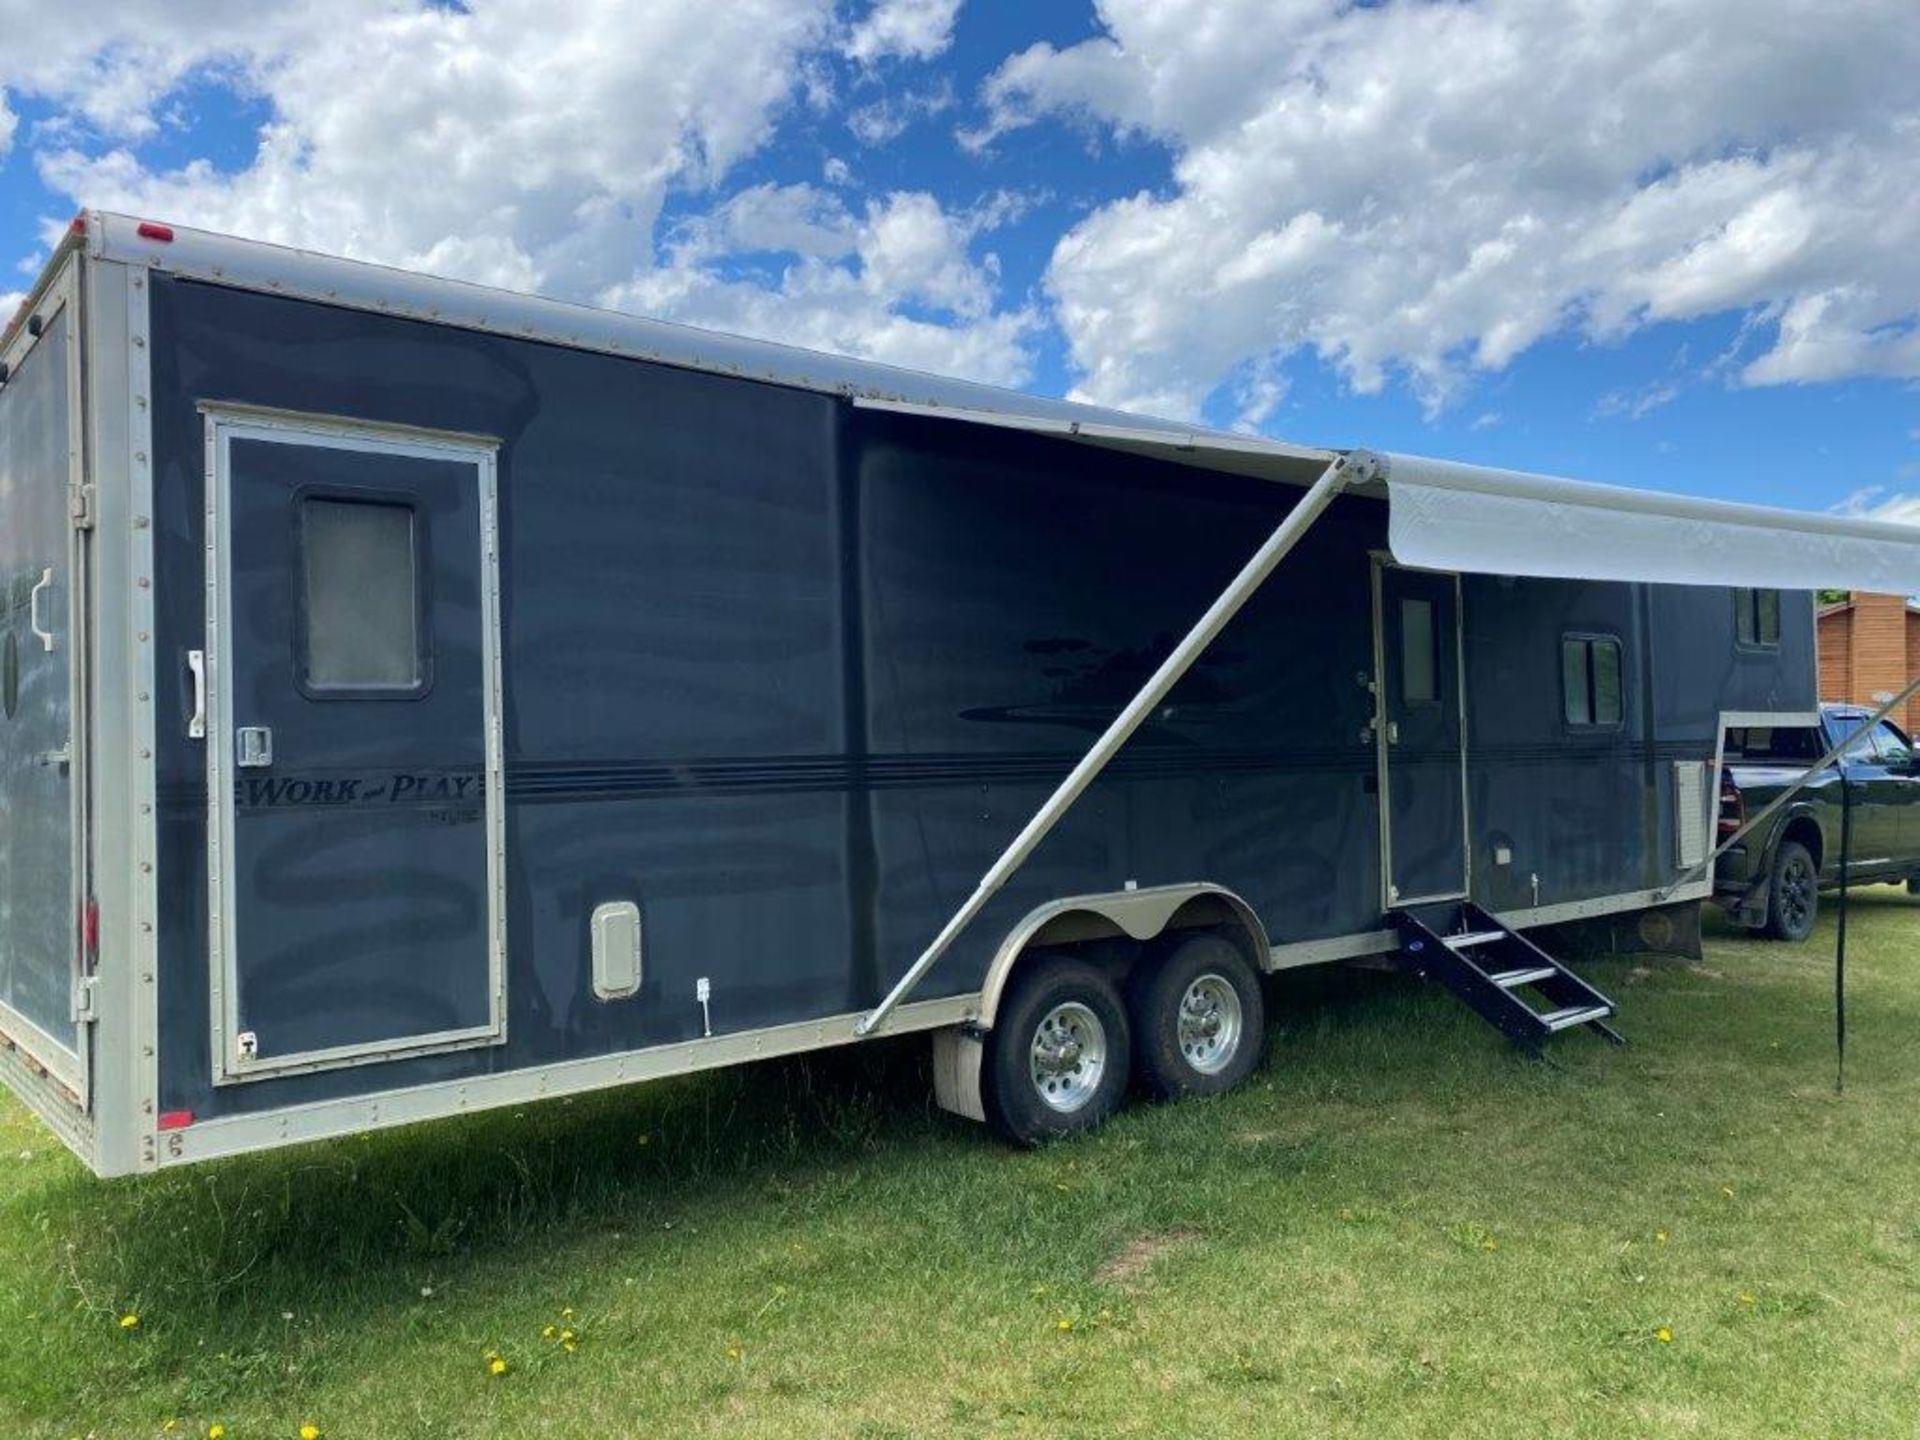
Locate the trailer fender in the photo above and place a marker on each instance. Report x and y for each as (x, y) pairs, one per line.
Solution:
(1137, 914)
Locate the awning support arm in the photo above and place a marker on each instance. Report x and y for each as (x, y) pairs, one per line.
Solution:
(1353, 468)
(1806, 779)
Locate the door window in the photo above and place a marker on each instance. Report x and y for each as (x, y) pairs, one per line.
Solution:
(360, 600)
(1896, 752)
(1419, 652)
(1860, 745)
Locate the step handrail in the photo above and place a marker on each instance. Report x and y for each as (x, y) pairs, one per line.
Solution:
(1353, 468)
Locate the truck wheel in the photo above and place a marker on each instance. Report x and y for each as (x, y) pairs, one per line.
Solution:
(1056, 1062)
(1793, 893)
(1199, 1020)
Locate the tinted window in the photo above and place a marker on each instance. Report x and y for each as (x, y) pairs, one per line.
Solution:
(1894, 747)
(1419, 657)
(1574, 683)
(1592, 685)
(361, 607)
(1757, 617)
(1797, 742)
(1839, 727)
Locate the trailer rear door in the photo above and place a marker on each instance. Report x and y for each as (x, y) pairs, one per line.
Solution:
(41, 851)
(353, 732)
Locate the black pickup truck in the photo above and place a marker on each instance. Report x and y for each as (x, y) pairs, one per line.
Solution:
(1772, 879)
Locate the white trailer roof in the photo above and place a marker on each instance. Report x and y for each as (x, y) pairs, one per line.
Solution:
(1442, 515)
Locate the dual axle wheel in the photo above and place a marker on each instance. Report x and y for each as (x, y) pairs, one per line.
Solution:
(1068, 1040)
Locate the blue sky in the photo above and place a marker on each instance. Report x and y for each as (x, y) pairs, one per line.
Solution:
(1665, 244)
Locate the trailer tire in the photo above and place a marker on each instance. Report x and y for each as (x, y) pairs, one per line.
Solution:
(1199, 1019)
(1793, 893)
(1056, 1062)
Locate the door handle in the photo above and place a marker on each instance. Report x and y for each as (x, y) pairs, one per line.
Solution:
(41, 633)
(197, 667)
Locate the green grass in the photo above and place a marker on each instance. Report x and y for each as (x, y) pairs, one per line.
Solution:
(1399, 1228)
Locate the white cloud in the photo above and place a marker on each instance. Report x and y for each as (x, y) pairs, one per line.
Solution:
(882, 121)
(1638, 402)
(786, 219)
(1900, 507)
(897, 283)
(111, 64)
(8, 122)
(1426, 191)
(910, 29)
(486, 142)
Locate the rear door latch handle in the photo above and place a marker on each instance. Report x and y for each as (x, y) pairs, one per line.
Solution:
(197, 667)
(253, 747)
(41, 633)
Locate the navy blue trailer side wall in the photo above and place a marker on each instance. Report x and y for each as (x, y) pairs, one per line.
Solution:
(671, 624)
(789, 674)
(1588, 810)
(1018, 592)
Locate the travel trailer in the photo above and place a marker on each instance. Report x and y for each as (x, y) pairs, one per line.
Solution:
(420, 699)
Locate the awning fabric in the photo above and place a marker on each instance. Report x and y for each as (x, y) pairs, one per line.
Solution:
(1502, 522)
(1448, 516)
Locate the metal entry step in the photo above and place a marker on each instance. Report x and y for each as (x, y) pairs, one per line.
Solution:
(1485, 964)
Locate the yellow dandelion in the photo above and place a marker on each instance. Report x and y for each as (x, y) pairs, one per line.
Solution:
(566, 1312)
(568, 1346)
(547, 1332)
(216, 1432)
(1489, 1243)
(567, 1337)
(496, 1366)
(309, 1432)
(170, 1426)
(1746, 1299)
(1663, 1335)
(129, 1321)
(733, 1352)
(1659, 1237)
(1063, 1324)
(1727, 1190)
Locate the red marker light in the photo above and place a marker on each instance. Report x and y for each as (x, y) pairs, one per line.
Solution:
(78, 226)
(147, 230)
(175, 1119)
(90, 927)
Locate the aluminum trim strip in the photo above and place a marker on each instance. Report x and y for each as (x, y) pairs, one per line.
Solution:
(223, 425)
(240, 1134)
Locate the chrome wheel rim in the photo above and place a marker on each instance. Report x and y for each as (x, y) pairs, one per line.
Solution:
(1068, 1056)
(1210, 1023)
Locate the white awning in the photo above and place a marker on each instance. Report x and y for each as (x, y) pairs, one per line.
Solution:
(1502, 522)
(1448, 516)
